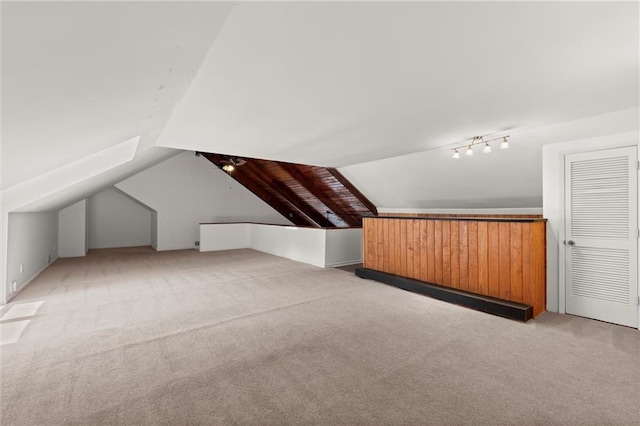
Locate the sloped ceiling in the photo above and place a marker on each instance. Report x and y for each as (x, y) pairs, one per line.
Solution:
(81, 77)
(503, 179)
(342, 83)
(355, 85)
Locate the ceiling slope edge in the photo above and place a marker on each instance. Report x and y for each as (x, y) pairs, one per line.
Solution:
(82, 178)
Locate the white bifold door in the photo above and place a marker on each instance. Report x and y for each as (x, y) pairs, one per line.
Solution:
(601, 246)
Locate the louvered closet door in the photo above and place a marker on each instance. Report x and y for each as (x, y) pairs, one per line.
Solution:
(601, 237)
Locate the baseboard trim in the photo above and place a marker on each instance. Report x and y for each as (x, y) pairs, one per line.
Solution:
(491, 305)
(344, 263)
(26, 283)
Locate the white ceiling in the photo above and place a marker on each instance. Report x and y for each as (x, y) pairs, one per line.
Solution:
(346, 84)
(79, 77)
(503, 179)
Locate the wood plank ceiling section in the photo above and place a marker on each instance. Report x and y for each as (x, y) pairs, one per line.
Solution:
(313, 196)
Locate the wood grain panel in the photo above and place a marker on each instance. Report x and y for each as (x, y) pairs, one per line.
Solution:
(446, 253)
(455, 254)
(528, 292)
(370, 240)
(403, 248)
(392, 246)
(504, 241)
(504, 259)
(431, 251)
(493, 261)
(438, 251)
(463, 259)
(483, 258)
(423, 250)
(409, 248)
(398, 248)
(515, 268)
(473, 257)
(415, 225)
(380, 245)
(386, 247)
(539, 267)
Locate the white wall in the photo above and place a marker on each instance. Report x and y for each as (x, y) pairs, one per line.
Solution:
(32, 243)
(154, 229)
(117, 221)
(305, 245)
(315, 246)
(72, 230)
(553, 205)
(187, 190)
(224, 236)
(343, 247)
(86, 224)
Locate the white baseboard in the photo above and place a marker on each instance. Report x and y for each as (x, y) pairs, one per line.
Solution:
(26, 283)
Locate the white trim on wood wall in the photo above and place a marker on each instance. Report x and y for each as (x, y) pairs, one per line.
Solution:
(523, 210)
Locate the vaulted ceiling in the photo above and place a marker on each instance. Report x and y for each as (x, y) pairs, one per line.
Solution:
(343, 83)
(380, 90)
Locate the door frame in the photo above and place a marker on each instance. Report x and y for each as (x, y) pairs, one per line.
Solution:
(553, 195)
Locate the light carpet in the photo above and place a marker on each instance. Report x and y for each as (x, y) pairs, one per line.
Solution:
(137, 337)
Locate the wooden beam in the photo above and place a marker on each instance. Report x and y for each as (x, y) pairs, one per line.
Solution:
(319, 189)
(359, 195)
(302, 193)
(260, 172)
(286, 210)
(248, 172)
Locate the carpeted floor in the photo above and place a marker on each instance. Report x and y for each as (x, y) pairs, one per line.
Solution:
(135, 337)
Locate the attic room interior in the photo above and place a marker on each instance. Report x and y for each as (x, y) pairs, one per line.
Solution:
(236, 212)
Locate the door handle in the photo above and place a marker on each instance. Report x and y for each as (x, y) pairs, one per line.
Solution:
(571, 243)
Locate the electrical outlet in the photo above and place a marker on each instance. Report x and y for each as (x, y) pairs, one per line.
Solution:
(21, 268)
(197, 243)
(14, 286)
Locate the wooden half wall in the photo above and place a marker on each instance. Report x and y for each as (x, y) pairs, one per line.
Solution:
(501, 258)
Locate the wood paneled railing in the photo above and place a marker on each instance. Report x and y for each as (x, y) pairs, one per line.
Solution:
(465, 215)
(501, 258)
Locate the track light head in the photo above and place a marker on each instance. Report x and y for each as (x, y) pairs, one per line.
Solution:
(477, 140)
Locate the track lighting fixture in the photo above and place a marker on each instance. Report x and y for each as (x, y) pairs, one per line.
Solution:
(228, 167)
(479, 140)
